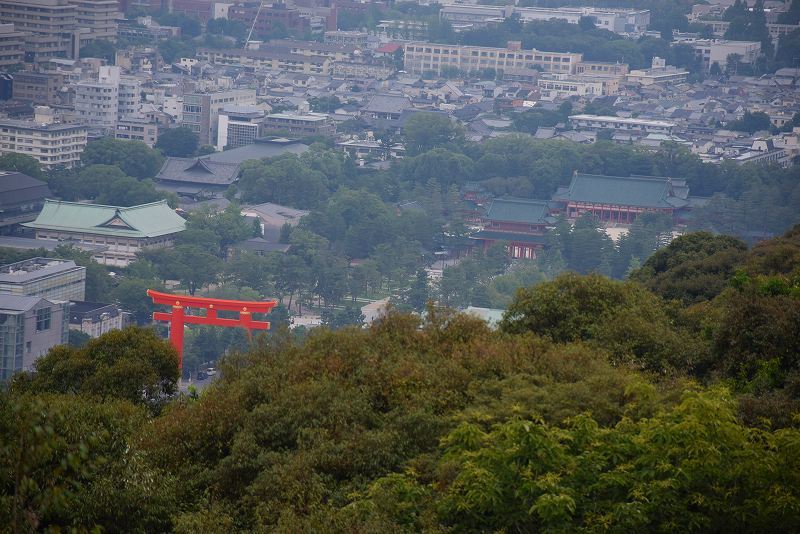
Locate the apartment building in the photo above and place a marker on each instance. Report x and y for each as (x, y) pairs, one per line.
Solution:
(48, 278)
(268, 59)
(97, 102)
(39, 88)
(52, 145)
(29, 327)
(100, 104)
(12, 46)
(97, 19)
(136, 129)
(423, 57)
(50, 25)
(602, 122)
(347, 38)
(300, 123)
(201, 110)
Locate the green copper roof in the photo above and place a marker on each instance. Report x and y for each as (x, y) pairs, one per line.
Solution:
(147, 220)
(637, 191)
(518, 210)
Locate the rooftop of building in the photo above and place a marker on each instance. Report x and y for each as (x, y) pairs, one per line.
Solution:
(638, 191)
(16, 187)
(518, 210)
(14, 304)
(34, 268)
(146, 220)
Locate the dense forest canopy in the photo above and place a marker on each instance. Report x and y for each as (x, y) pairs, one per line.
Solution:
(647, 404)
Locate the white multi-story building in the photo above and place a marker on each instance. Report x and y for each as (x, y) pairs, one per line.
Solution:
(239, 126)
(552, 87)
(660, 72)
(603, 122)
(100, 104)
(423, 57)
(711, 51)
(628, 21)
(201, 110)
(97, 102)
(52, 145)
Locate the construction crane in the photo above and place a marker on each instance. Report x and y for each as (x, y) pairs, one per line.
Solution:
(253, 26)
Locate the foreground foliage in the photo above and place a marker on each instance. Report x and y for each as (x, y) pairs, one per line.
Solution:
(598, 405)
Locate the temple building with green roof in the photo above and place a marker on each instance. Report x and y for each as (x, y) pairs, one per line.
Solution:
(519, 222)
(117, 233)
(621, 199)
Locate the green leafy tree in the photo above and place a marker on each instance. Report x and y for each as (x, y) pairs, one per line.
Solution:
(339, 318)
(21, 163)
(621, 317)
(132, 364)
(100, 48)
(134, 158)
(179, 142)
(62, 460)
(693, 268)
(426, 131)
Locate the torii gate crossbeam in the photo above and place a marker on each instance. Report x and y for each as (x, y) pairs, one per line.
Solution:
(177, 318)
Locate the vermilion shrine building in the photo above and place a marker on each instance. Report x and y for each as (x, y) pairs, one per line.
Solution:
(620, 199)
(522, 223)
(613, 200)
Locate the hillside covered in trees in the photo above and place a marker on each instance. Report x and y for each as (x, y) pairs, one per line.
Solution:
(665, 402)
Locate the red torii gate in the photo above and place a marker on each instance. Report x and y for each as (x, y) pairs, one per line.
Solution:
(177, 318)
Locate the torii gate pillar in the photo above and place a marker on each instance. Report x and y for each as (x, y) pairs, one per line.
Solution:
(178, 318)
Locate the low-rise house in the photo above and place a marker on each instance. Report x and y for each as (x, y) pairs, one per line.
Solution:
(96, 318)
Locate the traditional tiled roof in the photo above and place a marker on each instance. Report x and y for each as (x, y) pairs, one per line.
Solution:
(198, 171)
(518, 210)
(16, 187)
(147, 220)
(638, 191)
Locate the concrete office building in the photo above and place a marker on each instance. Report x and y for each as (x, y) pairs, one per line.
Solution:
(52, 145)
(48, 278)
(300, 123)
(29, 327)
(348, 38)
(12, 46)
(239, 126)
(423, 57)
(711, 51)
(602, 122)
(39, 88)
(97, 19)
(201, 110)
(135, 129)
(50, 25)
